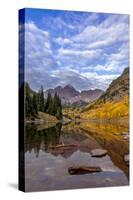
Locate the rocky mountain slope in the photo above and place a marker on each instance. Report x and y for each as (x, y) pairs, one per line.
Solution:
(69, 94)
(118, 88)
(113, 103)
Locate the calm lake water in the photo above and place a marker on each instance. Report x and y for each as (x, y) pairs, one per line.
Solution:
(50, 150)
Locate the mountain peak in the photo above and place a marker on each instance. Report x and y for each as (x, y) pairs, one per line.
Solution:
(69, 91)
(69, 94)
(69, 86)
(58, 88)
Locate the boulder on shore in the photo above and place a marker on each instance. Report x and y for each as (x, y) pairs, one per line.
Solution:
(83, 170)
(98, 152)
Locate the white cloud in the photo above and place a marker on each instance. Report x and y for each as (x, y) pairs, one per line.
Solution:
(116, 62)
(62, 41)
(98, 47)
(59, 22)
(103, 34)
(73, 52)
(89, 74)
(38, 55)
(98, 80)
(103, 81)
(105, 44)
(72, 77)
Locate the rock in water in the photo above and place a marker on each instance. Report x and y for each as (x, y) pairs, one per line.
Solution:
(126, 158)
(124, 133)
(126, 137)
(83, 170)
(98, 152)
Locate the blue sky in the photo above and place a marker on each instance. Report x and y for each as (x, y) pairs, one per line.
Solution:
(86, 50)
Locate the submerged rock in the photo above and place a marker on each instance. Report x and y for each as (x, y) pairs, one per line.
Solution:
(98, 152)
(125, 133)
(126, 158)
(83, 170)
(126, 137)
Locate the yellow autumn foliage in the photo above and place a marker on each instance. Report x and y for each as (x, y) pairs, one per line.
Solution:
(108, 110)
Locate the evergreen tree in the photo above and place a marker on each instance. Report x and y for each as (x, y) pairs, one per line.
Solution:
(55, 104)
(48, 102)
(41, 100)
(28, 101)
(52, 106)
(57, 107)
(59, 113)
(35, 102)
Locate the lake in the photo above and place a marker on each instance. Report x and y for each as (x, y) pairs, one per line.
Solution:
(51, 149)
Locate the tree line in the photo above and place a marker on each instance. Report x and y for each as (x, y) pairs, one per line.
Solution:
(35, 102)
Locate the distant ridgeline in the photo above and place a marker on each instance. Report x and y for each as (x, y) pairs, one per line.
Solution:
(35, 102)
(92, 104)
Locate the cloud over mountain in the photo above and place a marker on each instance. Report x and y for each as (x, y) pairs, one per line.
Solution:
(87, 50)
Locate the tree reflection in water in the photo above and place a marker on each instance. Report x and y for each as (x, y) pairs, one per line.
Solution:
(41, 139)
(85, 137)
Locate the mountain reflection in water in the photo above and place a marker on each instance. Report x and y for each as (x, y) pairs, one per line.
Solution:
(49, 151)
